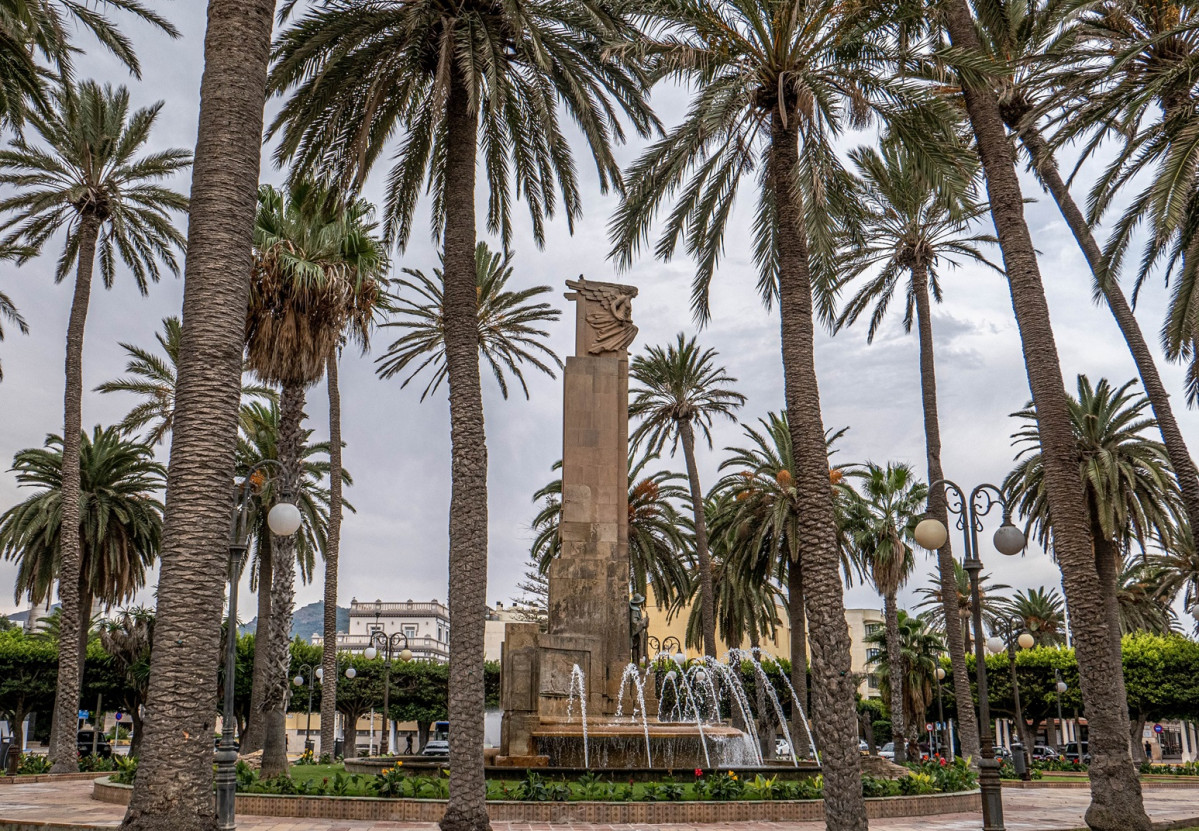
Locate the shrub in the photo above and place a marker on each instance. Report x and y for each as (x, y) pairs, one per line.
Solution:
(306, 758)
(391, 782)
(33, 765)
(667, 791)
(916, 784)
(89, 763)
(719, 786)
(873, 786)
(247, 777)
(592, 786)
(763, 787)
(126, 769)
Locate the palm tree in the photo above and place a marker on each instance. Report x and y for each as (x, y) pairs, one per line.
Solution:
(127, 639)
(455, 78)
(9, 311)
(1115, 791)
(152, 378)
(317, 272)
(89, 180)
(880, 522)
(1142, 607)
(746, 601)
(1178, 568)
(1131, 494)
(682, 389)
(960, 605)
(119, 529)
(911, 226)
(760, 522)
(33, 28)
(770, 76)
(509, 321)
(920, 648)
(174, 780)
(659, 545)
(260, 441)
(1043, 614)
(1047, 47)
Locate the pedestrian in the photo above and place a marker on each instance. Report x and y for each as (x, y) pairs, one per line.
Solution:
(408, 746)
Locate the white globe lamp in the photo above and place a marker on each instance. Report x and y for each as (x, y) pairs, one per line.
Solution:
(1026, 640)
(351, 672)
(1062, 687)
(406, 655)
(284, 519)
(1009, 540)
(940, 673)
(298, 680)
(994, 645)
(371, 653)
(320, 674)
(931, 533)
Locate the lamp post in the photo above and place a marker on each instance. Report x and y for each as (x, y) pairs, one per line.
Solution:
(284, 520)
(1061, 687)
(995, 645)
(299, 682)
(663, 648)
(381, 642)
(940, 676)
(351, 674)
(1009, 540)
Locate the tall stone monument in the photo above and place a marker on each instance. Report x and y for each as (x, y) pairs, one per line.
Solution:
(589, 618)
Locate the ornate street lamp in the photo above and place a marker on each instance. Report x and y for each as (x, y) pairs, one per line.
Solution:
(931, 533)
(381, 642)
(996, 645)
(943, 733)
(299, 681)
(284, 520)
(1061, 687)
(669, 647)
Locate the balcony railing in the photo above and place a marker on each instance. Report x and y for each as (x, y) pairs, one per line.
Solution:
(394, 609)
(422, 647)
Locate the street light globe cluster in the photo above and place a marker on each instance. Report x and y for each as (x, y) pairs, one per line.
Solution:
(931, 534)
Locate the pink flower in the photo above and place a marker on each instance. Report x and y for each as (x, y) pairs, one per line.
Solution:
(699, 772)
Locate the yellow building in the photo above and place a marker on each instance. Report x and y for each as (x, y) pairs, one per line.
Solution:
(862, 622)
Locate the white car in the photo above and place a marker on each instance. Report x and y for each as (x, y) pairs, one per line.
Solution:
(887, 751)
(782, 749)
(436, 747)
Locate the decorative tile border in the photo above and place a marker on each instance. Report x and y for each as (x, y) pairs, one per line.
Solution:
(607, 813)
(33, 778)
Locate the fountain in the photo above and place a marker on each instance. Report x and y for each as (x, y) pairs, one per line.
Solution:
(595, 637)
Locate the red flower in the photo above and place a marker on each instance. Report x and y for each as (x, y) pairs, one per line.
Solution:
(699, 772)
(943, 763)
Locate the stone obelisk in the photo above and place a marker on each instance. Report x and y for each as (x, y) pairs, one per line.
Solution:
(589, 580)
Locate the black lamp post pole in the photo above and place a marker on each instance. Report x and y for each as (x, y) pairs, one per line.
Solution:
(387, 644)
(941, 734)
(970, 512)
(306, 671)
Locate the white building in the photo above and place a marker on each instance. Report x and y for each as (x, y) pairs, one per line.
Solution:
(424, 625)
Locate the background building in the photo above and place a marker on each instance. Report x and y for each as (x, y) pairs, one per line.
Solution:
(426, 625)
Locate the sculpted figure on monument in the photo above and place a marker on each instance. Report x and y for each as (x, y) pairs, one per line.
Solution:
(609, 314)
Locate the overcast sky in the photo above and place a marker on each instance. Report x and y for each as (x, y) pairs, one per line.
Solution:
(398, 450)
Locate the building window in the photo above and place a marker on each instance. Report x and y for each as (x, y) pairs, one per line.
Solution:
(871, 628)
(872, 655)
(409, 631)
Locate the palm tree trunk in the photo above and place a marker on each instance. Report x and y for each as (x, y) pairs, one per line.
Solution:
(1116, 801)
(967, 721)
(1046, 168)
(173, 791)
(707, 603)
(895, 677)
(833, 688)
(63, 748)
(332, 548)
(1107, 565)
(277, 687)
(798, 624)
(467, 806)
(251, 742)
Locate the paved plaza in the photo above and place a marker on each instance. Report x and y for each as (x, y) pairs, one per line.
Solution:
(66, 806)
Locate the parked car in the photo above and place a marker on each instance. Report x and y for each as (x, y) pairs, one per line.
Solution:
(863, 746)
(1002, 753)
(782, 748)
(83, 743)
(1077, 752)
(887, 751)
(436, 747)
(1043, 752)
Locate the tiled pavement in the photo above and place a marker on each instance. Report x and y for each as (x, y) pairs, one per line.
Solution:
(69, 804)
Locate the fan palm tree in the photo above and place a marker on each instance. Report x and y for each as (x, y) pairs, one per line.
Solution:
(152, 378)
(1043, 614)
(660, 548)
(509, 325)
(119, 529)
(775, 81)
(88, 178)
(880, 521)
(174, 781)
(1115, 791)
(920, 648)
(30, 29)
(1131, 494)
(127, 639)
(318, 272)
(457, 79)
(682, 389)
(912, 227)
(760, 523)
(960, 603)
(8, 311)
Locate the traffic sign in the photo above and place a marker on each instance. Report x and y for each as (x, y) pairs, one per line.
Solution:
(928, 728)
(1157, 728)
(118, 716)
(83, 713)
